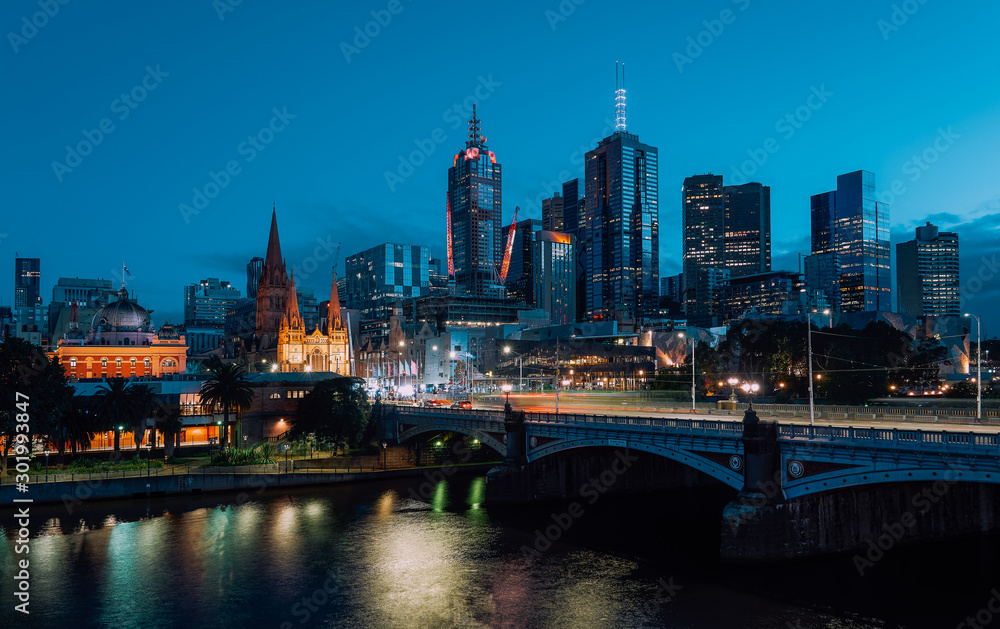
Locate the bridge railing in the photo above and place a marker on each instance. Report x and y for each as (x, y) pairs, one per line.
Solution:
(895, 438)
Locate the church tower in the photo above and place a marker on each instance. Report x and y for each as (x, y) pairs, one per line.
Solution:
(272, 292)
(291, 353)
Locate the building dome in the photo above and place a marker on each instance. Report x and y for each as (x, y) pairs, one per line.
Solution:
(168, 332)
(122, 316)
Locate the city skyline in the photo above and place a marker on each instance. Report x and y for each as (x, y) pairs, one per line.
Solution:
(795, 134)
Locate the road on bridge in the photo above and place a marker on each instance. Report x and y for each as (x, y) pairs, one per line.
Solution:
(545, 403)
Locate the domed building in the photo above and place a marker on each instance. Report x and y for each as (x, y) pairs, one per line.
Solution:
(122, 342)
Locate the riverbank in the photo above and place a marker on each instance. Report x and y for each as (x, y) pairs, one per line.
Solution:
(111, 488)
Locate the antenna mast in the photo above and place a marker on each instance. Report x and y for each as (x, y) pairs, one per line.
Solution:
(619, 99)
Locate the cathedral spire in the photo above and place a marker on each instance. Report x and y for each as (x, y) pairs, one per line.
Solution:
(274, 267)
(333, 321)
(292, 306)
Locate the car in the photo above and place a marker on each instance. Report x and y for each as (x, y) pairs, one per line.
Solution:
(464, 404)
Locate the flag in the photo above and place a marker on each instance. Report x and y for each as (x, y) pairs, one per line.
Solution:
(413, 368)
(127, 272)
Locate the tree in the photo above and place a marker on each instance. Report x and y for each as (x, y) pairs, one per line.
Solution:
(118, 404)
(336, 410)
(145, 404)
(169, 423)
(227, 387)
(80, 426)
(32, 387)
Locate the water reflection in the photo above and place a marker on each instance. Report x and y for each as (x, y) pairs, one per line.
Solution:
(359, 556)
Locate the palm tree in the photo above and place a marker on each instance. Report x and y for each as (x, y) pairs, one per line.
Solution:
(145, 403)
(117, 406)
(169, 423)
(227, 387)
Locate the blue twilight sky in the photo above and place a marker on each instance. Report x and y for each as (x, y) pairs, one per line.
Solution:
(369, 124)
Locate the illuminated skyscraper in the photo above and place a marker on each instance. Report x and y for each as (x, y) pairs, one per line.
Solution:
(748, 229)
(621, 224)
(703, 218)
(850, 222)
(927, 273)
(254, 268)
(27, 282)
(474, 232)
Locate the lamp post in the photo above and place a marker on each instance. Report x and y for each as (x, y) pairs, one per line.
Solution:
(46, 465)
(979, 367)
(732, 387)
(385, 444)
(149, 455)
(750, 388)
(520, 367)
(506, 389)
(812, 407)
(691, 342)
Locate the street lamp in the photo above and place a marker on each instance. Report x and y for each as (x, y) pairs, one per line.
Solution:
(384, 459)
(750, 388)
(149, 455)
(46, 465)
(979, 367)
(809, 329)
(732, 387)
(691, 342)
(506, 389)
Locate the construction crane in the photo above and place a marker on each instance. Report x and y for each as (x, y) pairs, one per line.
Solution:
(510, 247)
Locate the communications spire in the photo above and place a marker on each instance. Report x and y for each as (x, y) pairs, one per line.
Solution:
(620, 98)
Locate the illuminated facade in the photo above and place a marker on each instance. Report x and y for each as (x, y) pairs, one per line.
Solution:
(121, 343)
(927, 273)
(27, 282)
(748, 229)
(554, 275)
(703, 216)
(850, 222)
(519, 274)
(474, 230)
(377, 277)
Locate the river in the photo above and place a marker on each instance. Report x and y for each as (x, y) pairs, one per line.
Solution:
(403, 553)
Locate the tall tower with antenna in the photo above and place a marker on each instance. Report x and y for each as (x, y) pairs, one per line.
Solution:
(620, 246)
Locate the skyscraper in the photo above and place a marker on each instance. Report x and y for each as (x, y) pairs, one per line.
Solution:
(27, 282)
(378, 277)
(851, 222)
(554, 275)
(552, 213)
(520, 285)
(748, 229)
(703, 219)
(927, 273)
(254, 267)
(621, 250)
(474, 195)
(206, 303)
(573, 204)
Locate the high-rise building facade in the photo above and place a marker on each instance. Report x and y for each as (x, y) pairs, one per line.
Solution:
(764, 293)
(474, 196)
(520, 285)
(703, 219)
(27, 282)
(747, 248)
(379, 276)
(927, 279)
(438, 277)
(573, 205)
(621, 228)
(254, 267)
(554, 275)
(851, 222)
(206, 303)
(552, 213)
(823, 280)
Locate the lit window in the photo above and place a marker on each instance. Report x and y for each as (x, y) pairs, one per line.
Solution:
(118, 362)
(72, 363)
(104, 363)
(132, 361)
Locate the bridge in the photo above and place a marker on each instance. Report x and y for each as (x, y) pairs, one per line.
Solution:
(810, 468)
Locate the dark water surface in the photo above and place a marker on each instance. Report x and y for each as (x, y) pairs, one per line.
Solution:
(374, 555)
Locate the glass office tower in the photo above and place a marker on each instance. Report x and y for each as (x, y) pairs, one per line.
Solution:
(377, 277)
(621, 228)
(927, 277)
(748, 229)
(850, 222)
(27, 282)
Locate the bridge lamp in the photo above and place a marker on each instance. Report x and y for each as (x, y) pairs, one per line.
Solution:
(274, 368)
(506, 389)
(506, 349)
